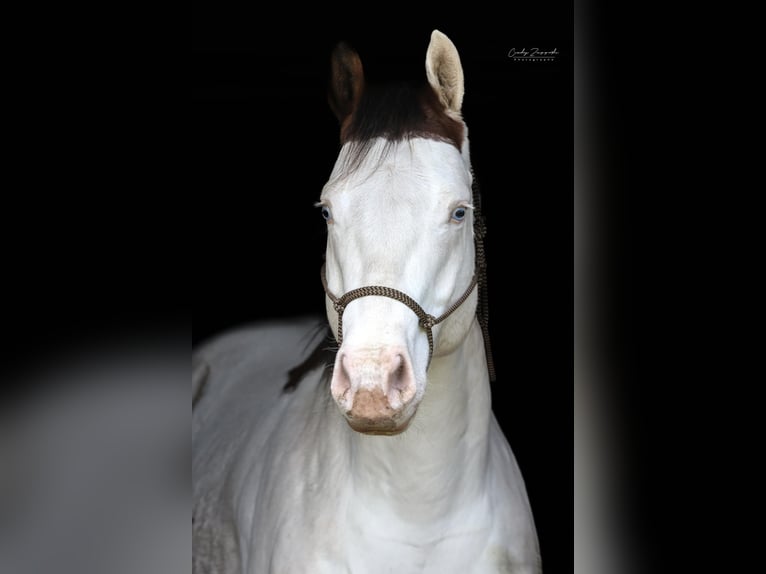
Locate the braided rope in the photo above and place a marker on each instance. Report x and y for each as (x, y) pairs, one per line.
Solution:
(425, 320)
(482, 308)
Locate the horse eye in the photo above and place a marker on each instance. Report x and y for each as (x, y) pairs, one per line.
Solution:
(326, 213)
(458, 214)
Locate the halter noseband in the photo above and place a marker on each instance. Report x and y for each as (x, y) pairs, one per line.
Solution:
(425, 320)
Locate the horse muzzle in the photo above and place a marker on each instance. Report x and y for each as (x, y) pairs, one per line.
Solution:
(375, 389)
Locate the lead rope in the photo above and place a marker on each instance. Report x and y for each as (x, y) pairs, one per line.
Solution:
(482, 307)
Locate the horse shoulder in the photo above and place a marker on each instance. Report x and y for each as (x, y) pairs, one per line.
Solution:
(239, 378)
(513, 546)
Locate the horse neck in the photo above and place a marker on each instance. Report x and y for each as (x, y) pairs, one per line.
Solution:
(441, 459)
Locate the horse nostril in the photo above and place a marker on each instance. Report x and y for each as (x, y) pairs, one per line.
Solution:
(399, 379)
(341, 381)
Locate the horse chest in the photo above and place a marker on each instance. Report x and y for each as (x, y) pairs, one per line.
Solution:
(370, 551)
(347, 536)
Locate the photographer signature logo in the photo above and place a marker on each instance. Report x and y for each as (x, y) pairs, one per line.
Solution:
(533, 54)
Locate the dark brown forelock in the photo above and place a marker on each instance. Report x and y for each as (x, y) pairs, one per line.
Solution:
(396, 113)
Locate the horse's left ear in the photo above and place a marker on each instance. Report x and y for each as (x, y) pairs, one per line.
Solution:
(445, 74)
(346, 81)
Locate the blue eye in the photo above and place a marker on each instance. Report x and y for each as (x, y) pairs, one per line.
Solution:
(326, 213)
(458, 214)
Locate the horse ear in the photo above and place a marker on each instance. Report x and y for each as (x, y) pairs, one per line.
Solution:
(346, 81)
(445, 74)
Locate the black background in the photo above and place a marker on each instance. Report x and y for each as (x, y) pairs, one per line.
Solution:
(264, 142)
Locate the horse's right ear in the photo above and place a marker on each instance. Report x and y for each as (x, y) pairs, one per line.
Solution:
(346, 81)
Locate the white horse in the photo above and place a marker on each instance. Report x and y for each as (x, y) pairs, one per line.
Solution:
(398, 464)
